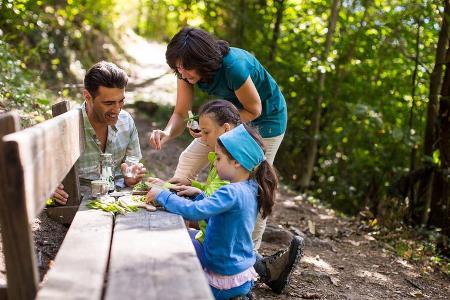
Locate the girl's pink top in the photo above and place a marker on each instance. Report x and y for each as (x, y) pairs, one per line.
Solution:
(226, 282)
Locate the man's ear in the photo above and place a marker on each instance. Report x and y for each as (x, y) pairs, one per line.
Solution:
(87, 95)
(227, 127)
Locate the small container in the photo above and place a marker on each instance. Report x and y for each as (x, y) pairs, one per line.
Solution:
(99, 188)
(192, 123)
(130, 171)
(106, 167)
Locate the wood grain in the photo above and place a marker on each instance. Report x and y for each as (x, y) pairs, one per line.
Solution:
(81, 263)
(70, 182)
(152, 257)
(44, 154)
(18, 246)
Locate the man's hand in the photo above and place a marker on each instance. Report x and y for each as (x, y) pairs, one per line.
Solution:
(138, 171)
(158, 138)
(59, 195)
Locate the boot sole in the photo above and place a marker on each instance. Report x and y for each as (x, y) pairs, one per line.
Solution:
(299, 244)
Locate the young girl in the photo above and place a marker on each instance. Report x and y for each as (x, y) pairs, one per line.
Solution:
(217, 117)
(228, 255)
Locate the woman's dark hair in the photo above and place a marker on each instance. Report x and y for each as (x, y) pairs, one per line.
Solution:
(221, 111)
(264, 175)
(104, 74)
(196, 49)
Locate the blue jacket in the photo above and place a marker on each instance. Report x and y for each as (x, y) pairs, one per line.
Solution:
(232, 211)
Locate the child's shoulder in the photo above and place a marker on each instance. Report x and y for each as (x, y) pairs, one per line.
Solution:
(241, 186)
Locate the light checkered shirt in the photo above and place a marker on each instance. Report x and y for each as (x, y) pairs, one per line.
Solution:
(122, 142)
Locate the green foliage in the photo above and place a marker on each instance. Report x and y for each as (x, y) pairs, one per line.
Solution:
(21, 89)
(365, 139)
(49, 35)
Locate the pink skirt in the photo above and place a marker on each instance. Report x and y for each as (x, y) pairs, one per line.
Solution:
(226, 282)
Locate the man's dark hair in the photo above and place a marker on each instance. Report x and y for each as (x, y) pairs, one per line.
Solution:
(104, 74)
(196, 49)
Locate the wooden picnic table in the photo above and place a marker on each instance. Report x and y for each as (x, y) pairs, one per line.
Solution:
(139, 255)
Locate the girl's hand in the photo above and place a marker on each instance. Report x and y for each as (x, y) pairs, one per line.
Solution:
(189, 191)
(150, 198)
(195, 134)
(158, 138)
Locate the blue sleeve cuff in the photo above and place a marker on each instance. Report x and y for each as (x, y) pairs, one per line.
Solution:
(199, 197)
(163, 197)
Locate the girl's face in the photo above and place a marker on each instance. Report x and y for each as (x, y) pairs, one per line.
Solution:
(226, 167)
(211, 130)
(191, 76)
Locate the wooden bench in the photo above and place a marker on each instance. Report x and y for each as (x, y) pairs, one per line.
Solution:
(140, 255)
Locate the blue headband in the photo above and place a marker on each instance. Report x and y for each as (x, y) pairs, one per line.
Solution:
(243, 147)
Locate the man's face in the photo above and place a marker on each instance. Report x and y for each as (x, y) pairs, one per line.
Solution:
(106, 106)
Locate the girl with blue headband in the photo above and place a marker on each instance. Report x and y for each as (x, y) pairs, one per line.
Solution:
(228, 255)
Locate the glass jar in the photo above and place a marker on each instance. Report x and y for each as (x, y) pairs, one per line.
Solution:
(106, 170)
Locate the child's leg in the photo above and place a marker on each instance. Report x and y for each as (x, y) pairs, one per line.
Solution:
(197, 246)
(233, 292)
(192, 160)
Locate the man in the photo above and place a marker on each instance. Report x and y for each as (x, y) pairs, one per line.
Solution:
(107, 128)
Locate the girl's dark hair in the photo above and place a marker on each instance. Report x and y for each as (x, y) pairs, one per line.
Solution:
(104, 74)
(264, 175)
(195, 48)
(221, 111)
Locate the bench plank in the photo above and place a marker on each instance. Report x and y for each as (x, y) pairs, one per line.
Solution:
(18, 246)
(70, 182)
(81, 263)
(152, 257)
(47, 152)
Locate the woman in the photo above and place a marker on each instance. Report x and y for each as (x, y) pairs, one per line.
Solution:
(232, 74)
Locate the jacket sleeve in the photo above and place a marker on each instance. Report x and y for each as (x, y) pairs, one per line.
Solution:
(222, 200)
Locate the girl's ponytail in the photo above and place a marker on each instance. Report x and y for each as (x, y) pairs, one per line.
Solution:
(267, 181)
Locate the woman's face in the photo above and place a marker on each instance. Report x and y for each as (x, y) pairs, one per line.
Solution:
(191, 76)
(211, 130)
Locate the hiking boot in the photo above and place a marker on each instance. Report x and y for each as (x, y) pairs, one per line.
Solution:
(280, 265)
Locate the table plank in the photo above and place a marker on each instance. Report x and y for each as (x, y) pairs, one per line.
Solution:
(152, 257)
(81, 263)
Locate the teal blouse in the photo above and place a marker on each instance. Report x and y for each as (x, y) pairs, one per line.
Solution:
(237, 66)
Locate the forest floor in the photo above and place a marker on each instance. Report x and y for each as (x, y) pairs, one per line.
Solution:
(343, 258)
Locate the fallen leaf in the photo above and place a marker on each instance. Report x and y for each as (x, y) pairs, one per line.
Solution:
(311, 227)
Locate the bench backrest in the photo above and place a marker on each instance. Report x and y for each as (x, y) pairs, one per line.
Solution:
(34, 161)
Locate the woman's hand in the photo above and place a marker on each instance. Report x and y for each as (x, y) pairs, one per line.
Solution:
(158, 138)
(195, 134)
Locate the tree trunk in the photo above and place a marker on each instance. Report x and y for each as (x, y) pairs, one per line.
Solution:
(276, 29)
(440, 206)
(412, 164)
(432, 113)
(312, 145)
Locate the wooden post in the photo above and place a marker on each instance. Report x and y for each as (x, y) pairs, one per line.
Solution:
(18, 246)
(65, 214)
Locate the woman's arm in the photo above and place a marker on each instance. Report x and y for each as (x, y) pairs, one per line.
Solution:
(175, 126)
(250, 100)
